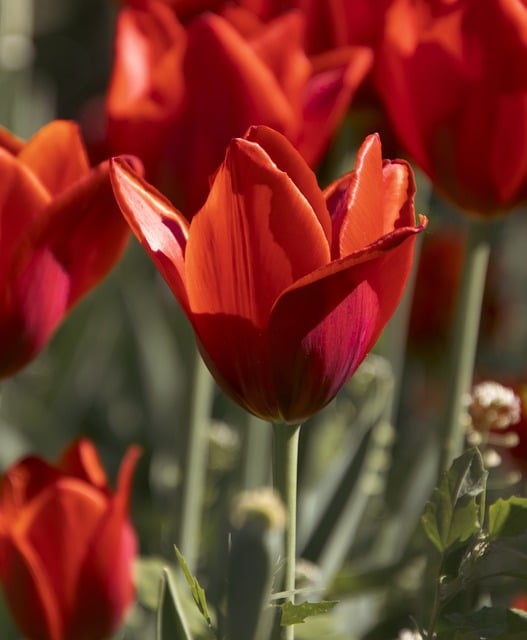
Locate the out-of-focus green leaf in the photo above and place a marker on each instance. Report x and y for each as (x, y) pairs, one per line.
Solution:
(171, 623)
(147, 571)
(297, 613)
(197, 591)
(508, 517)
(454, 513)
(492, 623)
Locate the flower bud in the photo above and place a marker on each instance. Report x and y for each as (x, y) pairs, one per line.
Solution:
(66, 545)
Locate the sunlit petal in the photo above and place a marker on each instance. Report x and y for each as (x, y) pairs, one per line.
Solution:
(160, 228)
(313, 356)
(56, 155)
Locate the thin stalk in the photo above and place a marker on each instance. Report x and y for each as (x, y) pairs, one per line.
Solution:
(436, 606)
(395, 335)
(464, 341)
(257, 447)
(194, 465)
(285, 471)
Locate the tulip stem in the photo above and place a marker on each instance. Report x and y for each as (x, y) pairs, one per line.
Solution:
(285, 463)
(464, 340)
(257, 446)
(195, 462)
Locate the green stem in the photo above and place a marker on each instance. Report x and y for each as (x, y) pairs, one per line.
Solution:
(285, 463)
(194, 465)
(465, 338)
(436, 606)
(257, 445)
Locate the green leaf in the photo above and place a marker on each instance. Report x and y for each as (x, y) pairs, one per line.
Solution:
(494, 623)
(147, 572)
(508, 517)
(198, 594)
(171, 623)
(455, 511)
(297, 613)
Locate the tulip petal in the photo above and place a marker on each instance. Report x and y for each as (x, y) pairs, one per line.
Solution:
(65, 516)
(56, 155)
(246, 245)
(148, 45)
(20, 484)
(327, 95)
(28, 593)
(81, 461)
(314, 355)
(11, 143)
(279, 46)
(219, 62)
(287, 159)
(369, 202)
(85, 231)
(34, 303)
(113, 545)
(22, 200)
(146, 87)
(159, 227)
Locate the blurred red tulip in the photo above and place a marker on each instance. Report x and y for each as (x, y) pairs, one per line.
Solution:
(329, 23)
(287, 287)
(178, 95)
(454, 82)
(436, 287)
(66, 545)
(61, 233)
(519, 602)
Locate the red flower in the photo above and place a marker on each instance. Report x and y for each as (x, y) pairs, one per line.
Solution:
(66, 545)
(329, 24)
(436, 287)
(287, 287)
(519, 602)
(178, 95)
(61, 233)
(454, 81)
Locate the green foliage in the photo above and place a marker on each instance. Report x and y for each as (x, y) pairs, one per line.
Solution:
(297, 613)
(171, 622)
(507, 517)
(198, 593)
(455, 512)
(489, 623)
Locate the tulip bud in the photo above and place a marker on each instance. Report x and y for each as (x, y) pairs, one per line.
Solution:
(66, 545)
(258, 519)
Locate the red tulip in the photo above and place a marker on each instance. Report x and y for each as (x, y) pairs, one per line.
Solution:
(66, 545)
(436, 286)
(519, 602)
(287, 287)
(329, 23)
(454, 81)
(178, 95)
(61, 233)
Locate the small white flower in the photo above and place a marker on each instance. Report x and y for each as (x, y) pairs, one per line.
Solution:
(493, 406)
(406, 634)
